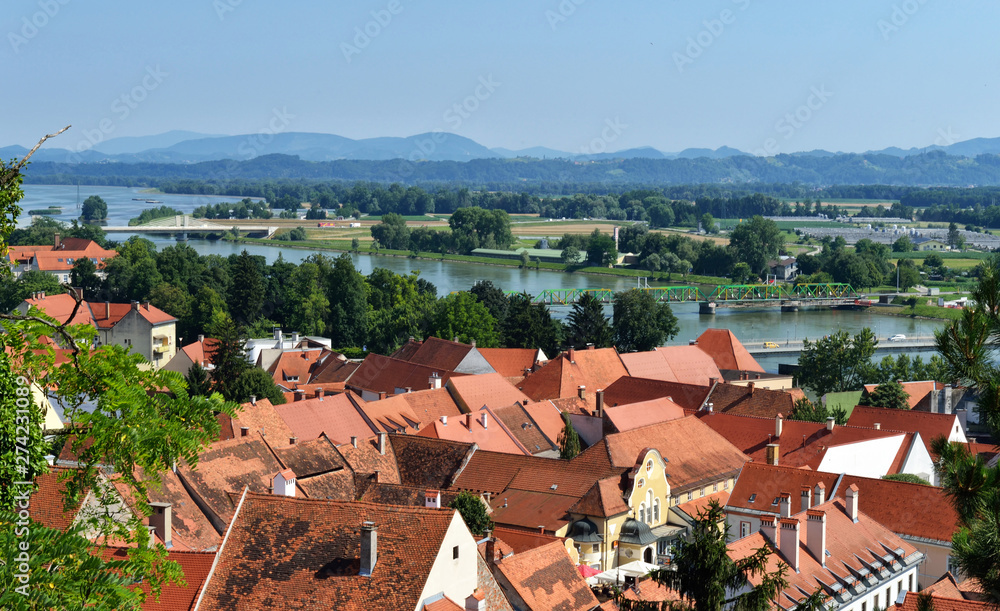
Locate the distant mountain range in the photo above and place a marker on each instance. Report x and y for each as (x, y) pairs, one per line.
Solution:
(185, 147)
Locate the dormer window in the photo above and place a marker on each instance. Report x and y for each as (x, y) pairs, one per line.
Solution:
(753, 497)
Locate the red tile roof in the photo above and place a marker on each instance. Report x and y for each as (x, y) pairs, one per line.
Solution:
(917, 391)
(695, 453)
(428, 462)
(562, 376)
(333, 371)
(524, 428)
(480, 427)
(510, 362)
(547, 417)
(493, 472)
(107, 315)
(283, 553)
(48, 503)
(263, 419)
(520, 540)
(806, 442)
(379, 373)
(61, 307)
(633, 390)
(916, 510)
(443, 604)
(636, 415)
(857, 545)
(546, 579)
(941, 603)
(174, 597)
(473, 392)
(392, 415)
(429, 405)
(603, 500)
(367, 459)
(336, 415)
(684, 364)
(61, 258)
(532, 509)
(929, 425)
(727, 351)
(946, 587)
(693, 507)
(201, 351)
(297, 366)
(190, 526)
(434, 352)
(750, 400)
(398, 494)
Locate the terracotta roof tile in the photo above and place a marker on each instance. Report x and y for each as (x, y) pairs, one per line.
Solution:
(649, 590)
(684, 364)
(519, 422)
(61, 306)
(379, 373)
(297, 366)
(284, 553)
(333, 371)
(392, 415)
(434, 352)
(532, 509)
(428, 462)
(398, 494)
(173, 597)
(916, 391)
(443, 604)
(635, 415)
(946, 587)
(727, 351)
(473, 392)
(695, 453)
(751, 400)
(941, 603)
(546, 579)
(429, 405)
(108, 315)
(692, 507)
(338, 416)
(481, 427)
(48, 503)
(263, 419)
(634, 390)
(339, 485)
(201, 351)
(190, 525)
(929, 425)
(510, 362)
(494, 472)
(562, 376)
(367, 459)
(521, 540)
(547, 417)
(310, 457)
(603, 500)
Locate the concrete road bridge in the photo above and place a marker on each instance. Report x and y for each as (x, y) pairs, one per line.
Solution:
(184, 224)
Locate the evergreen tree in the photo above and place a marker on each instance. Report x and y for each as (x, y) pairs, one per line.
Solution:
(347, 294)
(569, 440)
(588, 324)
(529, 325)
(493, 298)
(255, 382)
(888, 394)
(198, 382)
(84, 276)
(246, 296)
(228, 357)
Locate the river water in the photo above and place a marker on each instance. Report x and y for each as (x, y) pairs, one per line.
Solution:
(751, 326)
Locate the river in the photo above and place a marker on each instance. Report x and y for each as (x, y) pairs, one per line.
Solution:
(751, 326)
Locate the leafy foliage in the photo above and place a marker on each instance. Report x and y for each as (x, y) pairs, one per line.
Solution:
(640, 323)
(906, 477)
(889, 394)
(756, 242)
(461, 315)
(94, 208)
(569, 440)
(837, 362)
(473, 511)
(807, 411)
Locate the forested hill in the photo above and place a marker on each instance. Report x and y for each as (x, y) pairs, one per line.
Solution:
(930, 169)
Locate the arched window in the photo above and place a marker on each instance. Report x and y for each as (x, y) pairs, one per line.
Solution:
(642, 511)
(656, 511)
(649, 507)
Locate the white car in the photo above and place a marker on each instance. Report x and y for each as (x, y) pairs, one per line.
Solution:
(899, 337)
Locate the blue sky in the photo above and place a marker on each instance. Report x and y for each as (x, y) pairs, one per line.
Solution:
(573, 75)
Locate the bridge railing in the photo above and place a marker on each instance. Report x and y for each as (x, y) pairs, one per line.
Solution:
(723, 292)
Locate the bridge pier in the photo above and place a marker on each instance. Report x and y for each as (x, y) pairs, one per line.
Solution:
(706, 307)
(790, 306)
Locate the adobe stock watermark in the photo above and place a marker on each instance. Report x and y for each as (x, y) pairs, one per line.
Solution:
(32, 24)
(21, 568)
(364, 35)
(946, 136)
(563, 11)
(224, 7)
(714, 28)
(122, 107)
(795, 120)
(613, 129)
(255, 143)
(899, 17)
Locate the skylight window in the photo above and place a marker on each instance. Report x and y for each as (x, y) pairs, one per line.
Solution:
(753, 497)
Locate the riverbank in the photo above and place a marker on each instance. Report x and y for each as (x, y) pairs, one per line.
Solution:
(921, 312)
(344, 246)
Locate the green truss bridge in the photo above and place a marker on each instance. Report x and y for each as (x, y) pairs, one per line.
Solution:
(724, 294)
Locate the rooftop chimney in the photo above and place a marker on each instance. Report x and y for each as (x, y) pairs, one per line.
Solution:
(444, 420)
(369, 548)
(599, 396)
(381, 443)
(789, 542)
(772, 453)
(244, 431)
(491, 550)
(878, 426)
(778, 422)
(295, 338)
(806, 498)
(432, 499)
(486, 421)
(277, 334)
(468, 421)
(750, 386)
(300, 395)
(768, 529)
(162, 522)
(571, 355)
(253, 399)
(292, 440)
(319, 394)
(820, 493)
(816, 535)
(434, 381)
(107, 309)
(381, 395)
(201, 339)
(785, 504)
(852, 502)
(581, 391)
(409, 389)
(590, 345)
(473, 343)
(354, 441)
(476, 601)
(830, 423)
(713, 381)
(135, 306)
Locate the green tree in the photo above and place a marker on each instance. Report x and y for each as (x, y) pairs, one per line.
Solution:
(198, 382)
(806, 411)
(255, 382)
(837, 362)
(246, 296)
(528, 325)
(708, 223)
(355, 245)
(348, 297)
(640, 323)
(172, 300)
(588, 324)
(525, 259)
(94, 209)
(903, 244)
(955, 239)
(400, 307)
(473, 511)
(569, 440)
(228, 357)
(756, 242)
(84, 276)
(392, 232)
(570, 255)
(741, 273)
(908, 276)
(33, 281)
(601, 249)
(906, 477)
(461, 315)
(888, 394)
(132, 274)
(705, 573)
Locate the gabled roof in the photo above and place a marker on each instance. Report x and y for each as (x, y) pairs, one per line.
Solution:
(174, 597)
(750, 400)
(379, 373)
(684, 364)
(562, 376)
(916, 391)
(520, 541)
(297, 366)
(854, 544)
(802, 444)
(942, 603)
(636, 415)
(333, 371)
(261, 418)
(532, 509)
(495, 472)
(60, 307)
(546, 579)
(428, 462)
(547, 417)
(47, 502)
(286, 552)
(392, 415)
(426, 405)
(201, 351)
(310, 457)
(481, 427)
(492, 389)
(928, 424)
(695, 454)
(524, 428)
(634, 390)
(510, 362)
(61, 258)
(335, 415)
(436, 353)
(107, 315)
(189, 524)
(367, 459)
(398, 494)
(727, 351)
(603, 500)
(915, 510)
(695, 506)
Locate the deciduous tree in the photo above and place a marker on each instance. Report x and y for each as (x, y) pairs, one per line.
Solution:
(837, 362)
(640, 323)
